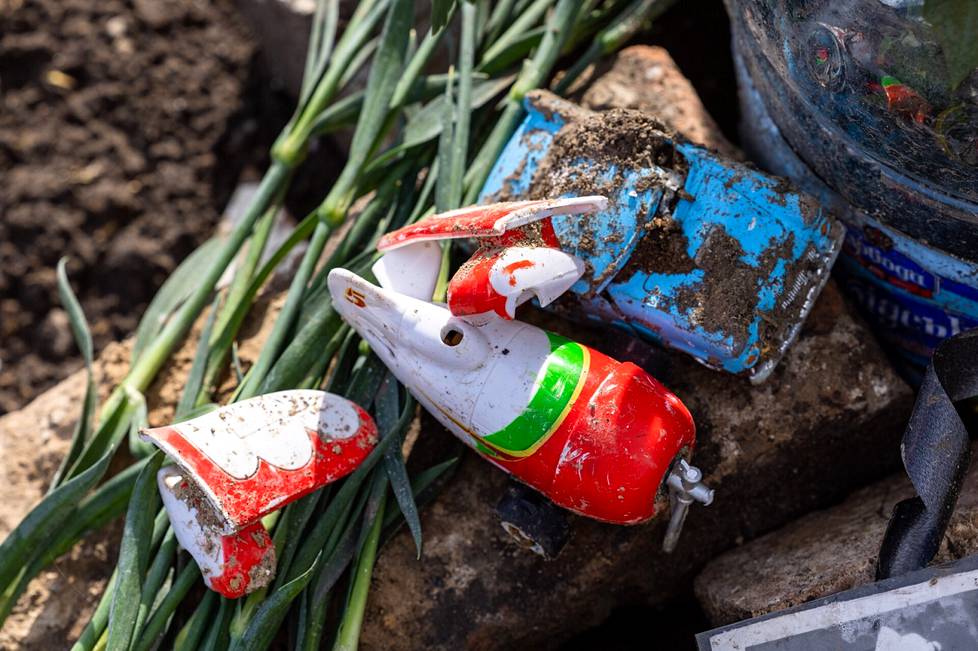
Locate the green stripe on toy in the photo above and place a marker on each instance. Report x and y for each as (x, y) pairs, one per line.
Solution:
(562, 380)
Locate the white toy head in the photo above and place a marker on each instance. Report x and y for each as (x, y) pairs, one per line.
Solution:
(474, 376)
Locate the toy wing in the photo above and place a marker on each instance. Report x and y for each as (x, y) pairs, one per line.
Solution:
(231, 564)
(239, 463)
(519, 255)
(255, 456)
(492, 221)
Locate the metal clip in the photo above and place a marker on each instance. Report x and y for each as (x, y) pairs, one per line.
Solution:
(685, 487)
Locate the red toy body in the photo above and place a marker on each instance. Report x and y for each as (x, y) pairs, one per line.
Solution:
(609, 457)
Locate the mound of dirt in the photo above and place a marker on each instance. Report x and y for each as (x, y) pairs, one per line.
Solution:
(122, 134)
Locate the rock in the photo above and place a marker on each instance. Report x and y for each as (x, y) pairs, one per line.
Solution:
(57, 604)
(822, 553)
(645, 78)
(829, 420)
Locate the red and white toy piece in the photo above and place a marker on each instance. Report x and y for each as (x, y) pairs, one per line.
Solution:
(500, 280)
(231, 564)
(519, 255)
(246, 460)
(493, 220)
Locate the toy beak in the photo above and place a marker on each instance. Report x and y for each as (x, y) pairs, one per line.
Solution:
(374, 312)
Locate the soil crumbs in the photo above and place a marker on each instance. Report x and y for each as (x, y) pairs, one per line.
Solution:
(726, 299)
(113, 119)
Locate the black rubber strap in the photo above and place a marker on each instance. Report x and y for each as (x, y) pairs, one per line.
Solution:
(936, 453)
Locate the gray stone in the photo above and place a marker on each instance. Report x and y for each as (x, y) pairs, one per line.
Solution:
(822, 553)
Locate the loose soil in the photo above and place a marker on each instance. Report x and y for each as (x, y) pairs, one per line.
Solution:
(123, 129)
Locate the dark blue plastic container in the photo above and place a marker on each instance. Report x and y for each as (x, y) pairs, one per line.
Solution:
(872, 105)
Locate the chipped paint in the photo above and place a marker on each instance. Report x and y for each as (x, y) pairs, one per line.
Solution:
(241, 462)
(699, 253)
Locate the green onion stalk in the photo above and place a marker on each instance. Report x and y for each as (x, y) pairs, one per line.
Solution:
(423, 140)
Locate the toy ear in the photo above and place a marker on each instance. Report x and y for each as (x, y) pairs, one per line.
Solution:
(500, 280)
(411, 270)
(489, 221)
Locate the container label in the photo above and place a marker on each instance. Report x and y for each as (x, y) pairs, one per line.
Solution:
(874, 250)
(916, 325)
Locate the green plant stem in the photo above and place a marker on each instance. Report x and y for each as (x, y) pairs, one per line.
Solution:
(463, 107)
(290, 149)
(286, 319)
(154, 580)
(97, 624)
(158, 351)
(161, 616)
(516, 29)
(614, 36)
(246, 270)
(535, 71)
(225, 340)
(194, 630)
(417, 63)
(218, 637)
(349, 635)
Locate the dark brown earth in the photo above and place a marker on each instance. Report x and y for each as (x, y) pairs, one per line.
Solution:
(123, 129)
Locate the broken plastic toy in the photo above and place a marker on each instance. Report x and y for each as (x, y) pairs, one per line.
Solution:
(518, 255)
(694, 251)
(239, 463)
(596, 436)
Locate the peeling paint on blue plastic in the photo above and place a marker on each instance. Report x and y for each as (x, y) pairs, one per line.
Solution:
(720, 198)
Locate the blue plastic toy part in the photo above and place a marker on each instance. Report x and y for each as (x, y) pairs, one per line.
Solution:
(701, 254)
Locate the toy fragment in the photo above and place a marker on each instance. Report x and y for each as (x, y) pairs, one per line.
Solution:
(232, 564)
(241, 462)
(518, 255)
(596, 436)
(702, 254)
